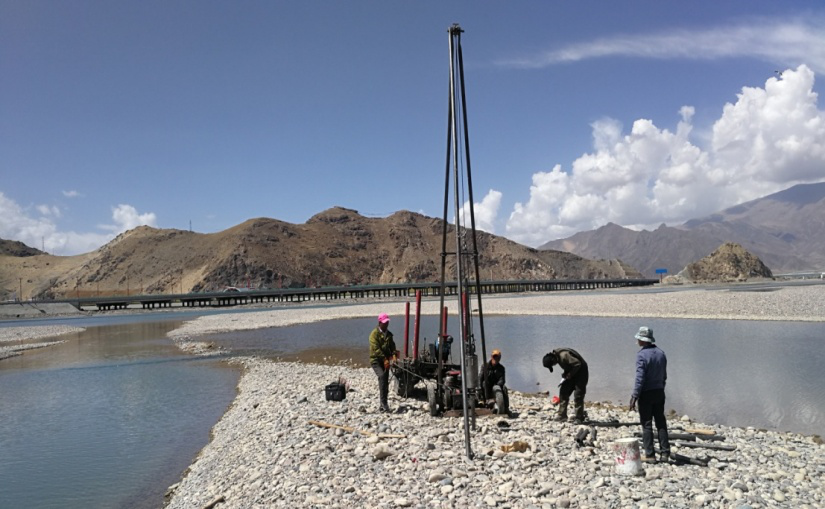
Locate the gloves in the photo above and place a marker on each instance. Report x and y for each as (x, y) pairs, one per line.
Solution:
(632, 405)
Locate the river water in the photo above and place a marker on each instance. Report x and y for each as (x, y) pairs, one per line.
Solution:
(110, 418)
(114, 416)
(741, 373)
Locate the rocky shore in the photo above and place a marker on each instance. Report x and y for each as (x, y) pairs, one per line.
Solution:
(14, 340)
(266, 453)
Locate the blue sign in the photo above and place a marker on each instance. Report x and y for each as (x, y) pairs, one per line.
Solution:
(661, 271)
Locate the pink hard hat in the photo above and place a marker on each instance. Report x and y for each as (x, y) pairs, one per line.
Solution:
(383, 318)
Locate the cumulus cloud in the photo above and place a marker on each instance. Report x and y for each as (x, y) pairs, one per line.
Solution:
(72, 194)
(40, 230)
(485, 213)
(769, 139)
(127, 217)
(782, 41)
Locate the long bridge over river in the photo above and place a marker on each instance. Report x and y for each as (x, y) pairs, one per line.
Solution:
(243, 296)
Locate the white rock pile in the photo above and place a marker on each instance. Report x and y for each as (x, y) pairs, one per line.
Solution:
(265, 453)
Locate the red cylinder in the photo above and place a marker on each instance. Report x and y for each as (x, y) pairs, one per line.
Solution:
(417, 320)
(407, 330)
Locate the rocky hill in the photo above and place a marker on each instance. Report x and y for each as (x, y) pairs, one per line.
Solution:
(785, 229)
(729, 263)
(16, 248)
(333, 248)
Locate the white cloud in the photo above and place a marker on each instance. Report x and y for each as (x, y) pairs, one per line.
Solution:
(47, 210)
(485, 213)
(770, 139)
(72, 194)
(126, 217)
(18, 224)
(784, 42)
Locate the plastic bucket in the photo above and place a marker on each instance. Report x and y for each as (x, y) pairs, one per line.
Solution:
(626, 454)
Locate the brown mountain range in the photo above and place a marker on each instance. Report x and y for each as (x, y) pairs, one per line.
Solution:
(333, 248)
(786, 230)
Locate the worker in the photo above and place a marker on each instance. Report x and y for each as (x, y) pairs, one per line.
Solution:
(382, 354)
(649, 392)
(493, 380)
(574, 380)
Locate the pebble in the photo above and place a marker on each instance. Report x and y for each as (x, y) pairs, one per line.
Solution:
(274, 457)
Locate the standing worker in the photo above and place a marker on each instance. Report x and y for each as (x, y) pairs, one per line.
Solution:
(493, 380)
(649, 391)
(574, 380)
(382, 353)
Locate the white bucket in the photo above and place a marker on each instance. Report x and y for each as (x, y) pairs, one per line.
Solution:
(628, 460)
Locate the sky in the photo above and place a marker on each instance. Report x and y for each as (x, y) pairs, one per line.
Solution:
(203, 114)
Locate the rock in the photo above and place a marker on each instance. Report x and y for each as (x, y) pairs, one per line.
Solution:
(381, 452)
(402, 502)
(436, 477)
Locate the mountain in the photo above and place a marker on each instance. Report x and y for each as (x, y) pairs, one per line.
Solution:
(786, 230)
(336, 247)
(729, 263)
(16, 248)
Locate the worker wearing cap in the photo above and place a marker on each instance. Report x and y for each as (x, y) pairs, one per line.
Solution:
(575, 376)
(649, 392)
(493, 379)
(382, 354)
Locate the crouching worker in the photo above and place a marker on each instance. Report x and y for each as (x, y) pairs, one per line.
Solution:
(493, 382)
(574, 381)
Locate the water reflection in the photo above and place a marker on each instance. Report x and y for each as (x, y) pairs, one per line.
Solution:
(109, 418)
(741, 373)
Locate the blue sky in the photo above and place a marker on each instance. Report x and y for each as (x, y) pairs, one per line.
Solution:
(116, 114)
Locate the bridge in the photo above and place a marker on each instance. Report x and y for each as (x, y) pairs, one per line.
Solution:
(221, 299)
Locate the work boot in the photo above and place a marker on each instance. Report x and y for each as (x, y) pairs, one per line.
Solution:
(580, 415)
(648, 458)
(561, 413)
(664, 457)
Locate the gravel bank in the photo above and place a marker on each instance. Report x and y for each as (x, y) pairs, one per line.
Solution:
(266, 454)
(21, 334)
(802, 303)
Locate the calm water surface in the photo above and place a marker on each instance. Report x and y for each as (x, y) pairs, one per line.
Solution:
(740, 373)
(110, 418)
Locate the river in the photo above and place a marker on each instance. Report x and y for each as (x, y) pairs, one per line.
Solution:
(113, 416)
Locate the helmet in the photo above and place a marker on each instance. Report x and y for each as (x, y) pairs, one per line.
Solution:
(548, 361)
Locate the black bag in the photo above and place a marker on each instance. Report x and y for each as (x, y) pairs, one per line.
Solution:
(335, 391)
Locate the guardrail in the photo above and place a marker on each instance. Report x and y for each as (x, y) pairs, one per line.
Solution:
(222, 299)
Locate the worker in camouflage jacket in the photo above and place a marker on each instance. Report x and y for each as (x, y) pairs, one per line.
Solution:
(382, 354)
(575, 376)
